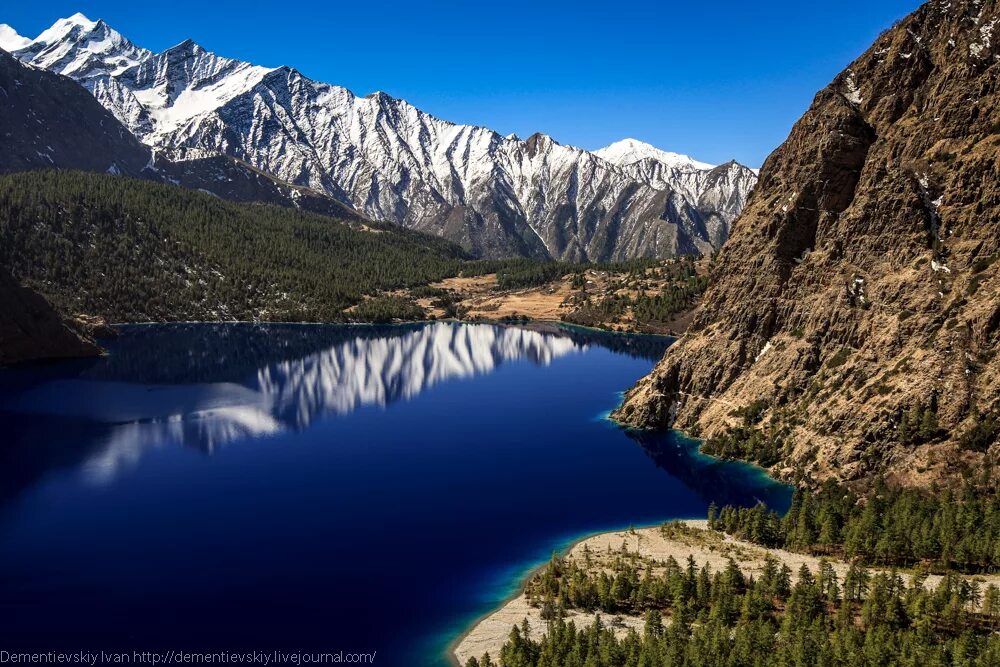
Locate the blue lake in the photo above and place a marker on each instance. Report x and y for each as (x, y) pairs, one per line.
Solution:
(321, 488)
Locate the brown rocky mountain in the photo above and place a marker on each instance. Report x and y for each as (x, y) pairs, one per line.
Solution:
(854, 315)
(30, 329)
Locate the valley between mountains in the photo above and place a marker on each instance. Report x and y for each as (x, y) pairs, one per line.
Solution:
(846, 330)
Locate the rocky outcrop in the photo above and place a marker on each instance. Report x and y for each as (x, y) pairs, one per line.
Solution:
(858, 291)
(31, 330)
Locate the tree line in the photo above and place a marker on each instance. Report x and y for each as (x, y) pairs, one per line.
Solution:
(890, 526)
(749, 440)
(524, 273)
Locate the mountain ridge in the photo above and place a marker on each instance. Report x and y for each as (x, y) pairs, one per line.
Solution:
(52, 122)
(629, 151)
(389, 160)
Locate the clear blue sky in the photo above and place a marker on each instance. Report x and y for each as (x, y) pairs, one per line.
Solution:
(716, 79)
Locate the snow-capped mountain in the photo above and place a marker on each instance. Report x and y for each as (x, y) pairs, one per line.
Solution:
(10, 40)
(76, 47)
(718, 193)
(496, 195)
(49, 121)
(630, 151)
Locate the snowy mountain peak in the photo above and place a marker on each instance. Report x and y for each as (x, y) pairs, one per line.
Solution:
(61, 28)
(10, 40)
(186, 49)
(630, 151)
(82, 49)
(181, 83)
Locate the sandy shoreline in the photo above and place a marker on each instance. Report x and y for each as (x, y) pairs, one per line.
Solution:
(706, 547)
(457, 644)
(488, 633)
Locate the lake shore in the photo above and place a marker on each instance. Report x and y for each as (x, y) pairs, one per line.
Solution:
(489, 633)
(677, 539)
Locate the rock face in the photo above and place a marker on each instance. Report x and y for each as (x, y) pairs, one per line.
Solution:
(49, 121)
(859, 291)
(496, 195)
(30, 330)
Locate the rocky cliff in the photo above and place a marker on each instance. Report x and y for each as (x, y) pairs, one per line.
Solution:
(852, 322)
(31, 330)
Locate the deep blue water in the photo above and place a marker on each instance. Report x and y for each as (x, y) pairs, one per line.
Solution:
(320, 488)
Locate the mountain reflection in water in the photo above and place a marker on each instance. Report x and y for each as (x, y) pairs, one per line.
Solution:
(208, 385)
(410, 473)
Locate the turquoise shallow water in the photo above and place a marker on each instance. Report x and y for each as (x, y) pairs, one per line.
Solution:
(321, 488)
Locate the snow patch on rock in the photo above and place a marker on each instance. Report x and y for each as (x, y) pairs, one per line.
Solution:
(852, 92)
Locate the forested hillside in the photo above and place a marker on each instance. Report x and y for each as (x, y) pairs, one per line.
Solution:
(131, 250)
